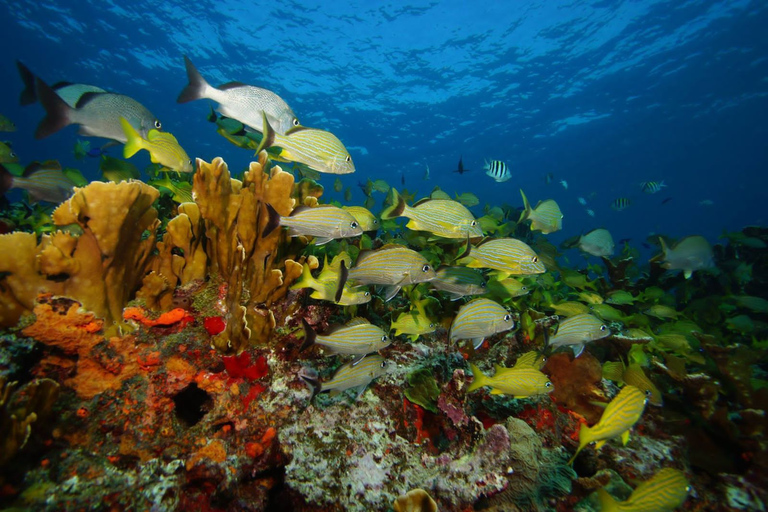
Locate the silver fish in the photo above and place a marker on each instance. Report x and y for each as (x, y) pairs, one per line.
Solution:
(69, 92)
(459, 281)
(577, 330)
(97, 113)
(240, 101)
(41, 182)
(497, 170)
(357, 337)
(689, 254)
(352, 376)
(597, 242)
(478, 319)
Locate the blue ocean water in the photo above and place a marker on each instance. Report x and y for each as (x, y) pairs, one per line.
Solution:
(603, 94)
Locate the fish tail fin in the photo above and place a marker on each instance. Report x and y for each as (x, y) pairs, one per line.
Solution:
(197, 85)
(526, 208)
(272, 222)
(583, 441)
(28, 95)
(480, 379)
(343, 275)
(57, 111)
(309, 336)
(6, 180)
(268, 134)
(314, 385)
(397, 208)
(607, 503)
(134, 141)
(306, 280)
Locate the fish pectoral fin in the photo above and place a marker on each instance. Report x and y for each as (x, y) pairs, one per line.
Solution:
(390, 292)
(599, 444)
(360, 391)
(495, 391)
(625, 437)
(688, 274)
(322, 240)
(357, 360)
(476, 342)
(577, 350)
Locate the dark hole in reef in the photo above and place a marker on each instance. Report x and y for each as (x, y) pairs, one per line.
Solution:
(177, 251)
(58, 278)
(192, 403)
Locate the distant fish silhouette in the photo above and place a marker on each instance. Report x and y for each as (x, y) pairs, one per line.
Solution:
(461, 169)
(624, 240)
(666, 200)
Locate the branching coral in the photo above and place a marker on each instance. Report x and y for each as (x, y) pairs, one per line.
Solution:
(255, 267)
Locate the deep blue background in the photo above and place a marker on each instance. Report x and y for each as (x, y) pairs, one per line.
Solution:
(604, 95)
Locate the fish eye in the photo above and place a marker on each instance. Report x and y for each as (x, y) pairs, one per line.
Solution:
(648, 393)
(431, 325)
(507, 317)
(603, 328)
(353, 225)
(384, 338)
(12, 154)
(157, 124)
(383, 364)
(524, 288)
(535, 259)
(473, 223)
(295, 122)
(348, 159)
(367, 294)
(548, 384)
(426, 268)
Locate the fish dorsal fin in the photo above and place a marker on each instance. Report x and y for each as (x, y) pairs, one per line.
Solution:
(498, 368)
(230, 85)
(297, 128)
(59, 85)
(299, 209)
(86, 98)
(358, 320)
(422, 201)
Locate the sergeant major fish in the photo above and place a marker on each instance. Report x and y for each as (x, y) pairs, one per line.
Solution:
(497, 170)
(245, 103)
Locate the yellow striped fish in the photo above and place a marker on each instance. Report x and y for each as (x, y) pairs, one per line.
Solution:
(393, 266)
(619, 417)
(530, 359)
(181, 191)
(364, 217)
(325, 223)
(507, 255)
(414, 324)
(634, 376)
(442, 217)
(520, 382)
(351, 376)
(664, 492)
(459, 281)
(42, 181)
(479, 318)
(326, 285)
(546, 217)
(569, 308)
(577, 330)
(163, 148)
(318, 149)
(357, 337)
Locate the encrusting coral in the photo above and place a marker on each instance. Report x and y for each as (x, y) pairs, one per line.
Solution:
(19, 409)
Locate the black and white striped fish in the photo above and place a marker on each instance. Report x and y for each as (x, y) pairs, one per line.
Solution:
(620, 204)
(497, 170)
(651, 187)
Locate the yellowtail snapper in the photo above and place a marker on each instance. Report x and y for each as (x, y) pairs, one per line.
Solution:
(393, 266)
(478, 319)
(325, 223)
(497, 170)
(618, 418)
(357, 337)
(520, 382)
(664, 492)
(442, 217)
(350, 376)
(239, 101)
(577, 330)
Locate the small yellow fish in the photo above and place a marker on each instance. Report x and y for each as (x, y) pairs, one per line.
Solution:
(590, 298)
(7, 155)
(577, 330)
(507, 255)
(393, 266)
(6, 125)
(607, 312)
(163, 148)
(181, 191)
(414, 324)
(664, 492)
(570, 308)
(662, 312)
(546, 217)
(618, 418)
(364, 217)
(459, 281)
(634, 376)
(479, 318)
(326, 285)
(531, 359)
(507, 288)
(324, 222)
(468, 199)
(117, 170)
(620, 298)
(442, 217)
(520, 383)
